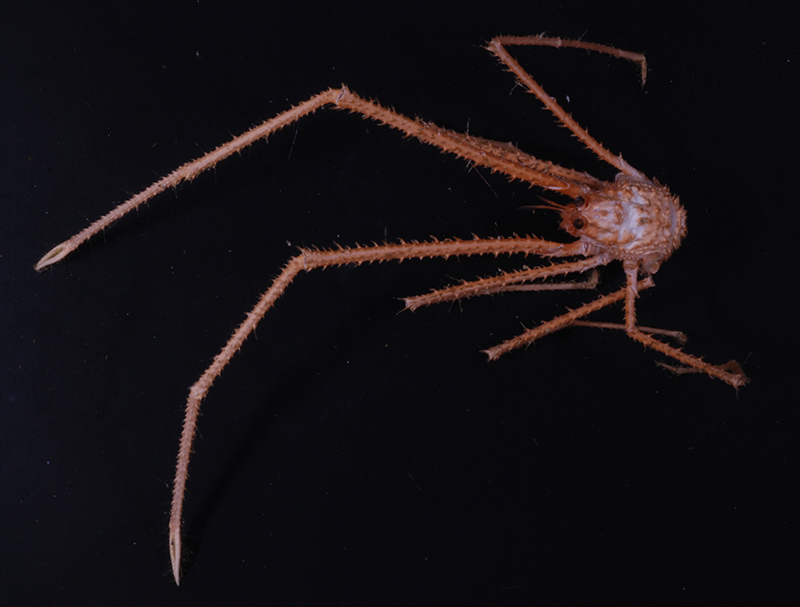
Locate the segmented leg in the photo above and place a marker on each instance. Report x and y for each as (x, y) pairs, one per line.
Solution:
(497, 47)
(307, 260)
(497, 156)
(734, 377)
(510, 281)
(562, 321)
(730, 373)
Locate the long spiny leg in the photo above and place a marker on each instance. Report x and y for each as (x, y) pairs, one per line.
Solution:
(497, 47)
(501, 157)
(560, 322)
(187, 172)
(510, 281)
(308, 260)
(729, 373)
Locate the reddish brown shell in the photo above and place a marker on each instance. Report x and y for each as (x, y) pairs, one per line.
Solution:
(630, 219)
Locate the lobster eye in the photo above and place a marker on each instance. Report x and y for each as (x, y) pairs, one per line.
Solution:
(578, 223)
(579, 202)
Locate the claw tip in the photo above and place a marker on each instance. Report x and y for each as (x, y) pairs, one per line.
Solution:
(54, 255)
(175, 555)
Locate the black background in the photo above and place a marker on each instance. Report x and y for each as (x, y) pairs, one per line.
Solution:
(352, 454)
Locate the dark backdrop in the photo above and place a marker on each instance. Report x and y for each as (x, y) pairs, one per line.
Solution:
(352, 454)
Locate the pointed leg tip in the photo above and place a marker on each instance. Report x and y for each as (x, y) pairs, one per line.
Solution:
(54, 255)
(175, 555)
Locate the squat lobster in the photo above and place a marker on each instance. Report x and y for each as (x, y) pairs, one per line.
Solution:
(633, 219)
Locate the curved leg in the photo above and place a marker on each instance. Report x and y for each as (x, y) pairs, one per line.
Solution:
(497, 47)
(307, 260)
(496, 156)
(731, 373)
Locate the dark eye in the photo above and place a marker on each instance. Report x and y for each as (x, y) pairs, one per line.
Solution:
(579, 202)
(578, 223)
